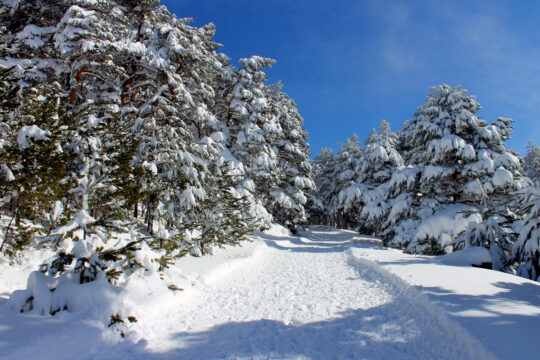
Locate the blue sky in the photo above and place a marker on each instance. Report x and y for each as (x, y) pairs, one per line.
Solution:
(349, 64)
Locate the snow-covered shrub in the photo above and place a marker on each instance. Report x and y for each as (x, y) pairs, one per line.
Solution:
(495, 234)
(436, 233)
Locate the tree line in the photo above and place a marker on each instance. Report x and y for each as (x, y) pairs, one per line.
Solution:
(123, 128)
(445, 182)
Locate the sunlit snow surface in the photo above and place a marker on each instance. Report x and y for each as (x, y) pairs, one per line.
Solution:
(325, 294)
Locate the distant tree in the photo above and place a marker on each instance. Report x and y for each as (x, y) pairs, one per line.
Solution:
(322, 169)
(345, 192)
(532, 162)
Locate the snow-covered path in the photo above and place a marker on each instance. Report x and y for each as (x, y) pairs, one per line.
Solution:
(307, 297)
(326, 294)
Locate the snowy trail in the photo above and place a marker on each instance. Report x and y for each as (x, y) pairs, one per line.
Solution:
(316, 296)
(308, 297)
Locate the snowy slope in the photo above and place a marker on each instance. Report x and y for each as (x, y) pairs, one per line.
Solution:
(327, 294)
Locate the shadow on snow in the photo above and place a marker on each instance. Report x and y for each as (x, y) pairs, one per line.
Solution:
(495, 317)
(321, 239)
(398, 329)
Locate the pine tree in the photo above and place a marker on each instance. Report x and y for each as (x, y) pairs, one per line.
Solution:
(346, 190)
(140, 125)
(526, 251)
(459, 164)
(323, 167)
(224, 220)
(34, 165)
(249, 125)
(532, 162)
(380, 156)
(283, 130)
(380, 160)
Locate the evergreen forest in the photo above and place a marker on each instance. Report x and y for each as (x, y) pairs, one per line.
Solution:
(129, 140)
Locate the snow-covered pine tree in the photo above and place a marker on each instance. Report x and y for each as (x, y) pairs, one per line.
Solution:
(60, 41)
(284, 132)
(380, 160)
(140, 120)
(380, 156)
(249, 125)
(26, 28)
(500, 211)
(458, 165)
(199, 70)
(34, 165)
(10, 101)
(532, 162)
(226, 217)
(346, 190)
(92, 42)
(225, 83)
(323, 168)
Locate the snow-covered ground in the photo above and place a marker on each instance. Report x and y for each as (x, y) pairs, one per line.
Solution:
(326, 294)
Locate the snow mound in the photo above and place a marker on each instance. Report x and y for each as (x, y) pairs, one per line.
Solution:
(277, 230)
(467, 257)
(433, 323)
(49, 296)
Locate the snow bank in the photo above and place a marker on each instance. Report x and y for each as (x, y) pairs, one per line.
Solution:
(50, 295)
(223, 261)
(467, 257)
(15, 273)
(494, 307)
(432, 321)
